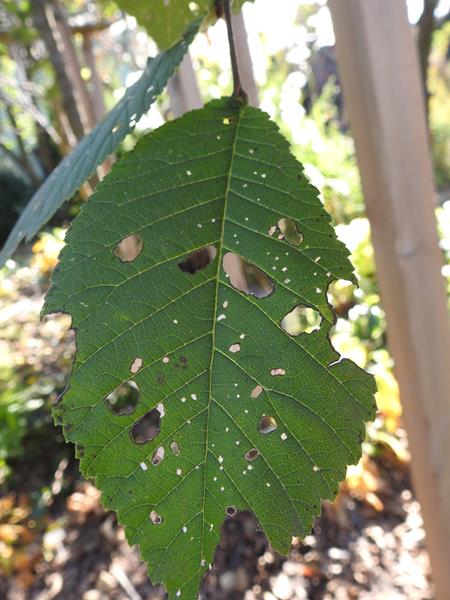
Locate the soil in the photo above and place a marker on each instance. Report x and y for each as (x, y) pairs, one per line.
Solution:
(355, 551)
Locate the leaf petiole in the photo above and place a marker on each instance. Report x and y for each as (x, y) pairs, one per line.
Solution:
(238, 91)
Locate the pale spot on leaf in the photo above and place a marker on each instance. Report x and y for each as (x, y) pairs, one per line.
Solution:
(136, 365)
(256, 391)
(278, 372)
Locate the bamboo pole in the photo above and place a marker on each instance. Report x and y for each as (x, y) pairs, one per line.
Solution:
(379, 69)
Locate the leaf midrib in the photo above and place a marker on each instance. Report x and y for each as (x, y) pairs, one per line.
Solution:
(222, 247)
(214, 323)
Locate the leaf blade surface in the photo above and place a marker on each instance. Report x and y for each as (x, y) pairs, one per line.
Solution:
(215, 359)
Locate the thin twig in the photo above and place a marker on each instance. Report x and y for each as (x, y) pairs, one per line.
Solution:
(238, 92)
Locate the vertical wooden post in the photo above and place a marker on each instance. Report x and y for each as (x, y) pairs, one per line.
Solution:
(183, 89)
(379, 70)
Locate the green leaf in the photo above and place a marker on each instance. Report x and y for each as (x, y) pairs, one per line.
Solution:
(165, 20)
(102, 141)
(242, 414)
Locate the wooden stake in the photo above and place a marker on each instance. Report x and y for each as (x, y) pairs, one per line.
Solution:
(378, 64)
(183, 89)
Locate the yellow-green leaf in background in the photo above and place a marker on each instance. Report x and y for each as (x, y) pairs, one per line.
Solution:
(166, 20)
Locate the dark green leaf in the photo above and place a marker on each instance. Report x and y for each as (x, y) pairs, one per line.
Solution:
(183, 274)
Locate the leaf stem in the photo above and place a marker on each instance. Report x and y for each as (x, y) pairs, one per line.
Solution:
(238, 91)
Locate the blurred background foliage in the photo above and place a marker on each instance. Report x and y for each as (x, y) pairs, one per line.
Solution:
(41, 119)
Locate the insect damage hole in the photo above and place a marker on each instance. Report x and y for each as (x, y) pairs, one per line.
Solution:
(267, 424)
(158, 456)
(251, 454)
(123, 400)
(230, 511)
(302, 319)
(155, 518)
(341, 296)
(129, 248)
(198, 260)
(147, 428)
(234, 348)
(246, 277)
(290, 232)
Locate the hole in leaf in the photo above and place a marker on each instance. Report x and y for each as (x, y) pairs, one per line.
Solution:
(252, 454)
(129, 248)
(234, 348)
(175, 448)
(267, 424)
(341, 296)
(123, 400)
(155, 518)
(136, 365)
(198, 260)
(230, 511)
(301, 319)
(158, 456)
(246, 277)
(147, 428)
(276, 372)
(256, 391)
(289, 231)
